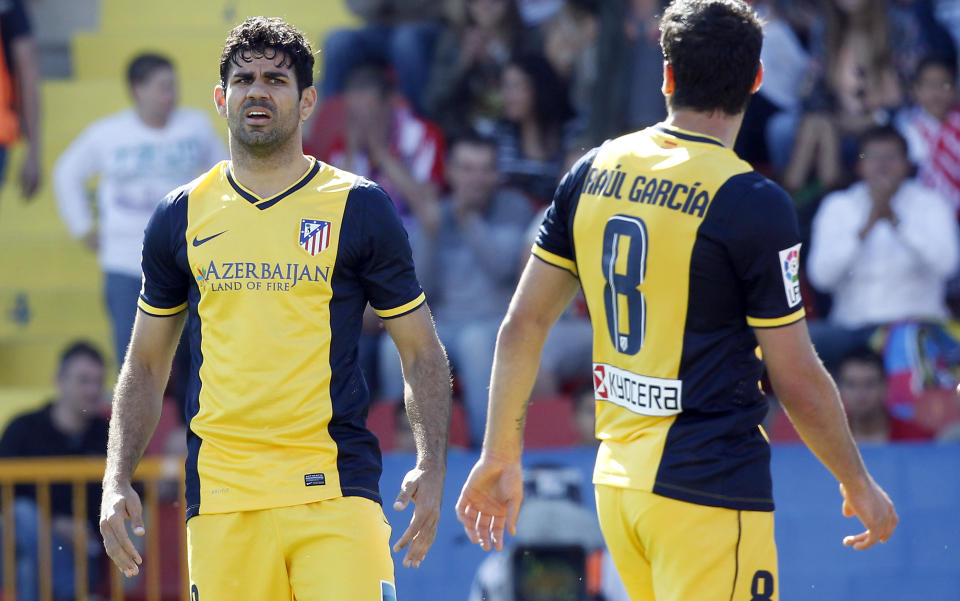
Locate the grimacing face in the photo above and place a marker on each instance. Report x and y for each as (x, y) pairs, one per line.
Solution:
(262, 104)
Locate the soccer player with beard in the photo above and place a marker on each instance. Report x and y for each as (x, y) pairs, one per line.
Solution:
(270, 259)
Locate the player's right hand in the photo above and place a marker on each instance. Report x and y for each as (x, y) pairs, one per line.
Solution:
(120, 503)
(871, 504)
(490, 501)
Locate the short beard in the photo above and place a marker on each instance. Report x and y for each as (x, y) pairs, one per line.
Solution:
(261, 143)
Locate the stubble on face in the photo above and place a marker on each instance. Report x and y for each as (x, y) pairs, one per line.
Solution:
(264, 140)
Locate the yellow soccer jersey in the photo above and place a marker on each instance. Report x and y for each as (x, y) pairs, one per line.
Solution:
(680, 248)
(275, 289)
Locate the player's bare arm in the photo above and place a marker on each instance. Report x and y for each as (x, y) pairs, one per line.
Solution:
(426, 374)
(811, 399)
(136, 411)
(491, 497)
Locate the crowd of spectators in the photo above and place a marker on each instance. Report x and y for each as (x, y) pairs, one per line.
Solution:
(469, 111)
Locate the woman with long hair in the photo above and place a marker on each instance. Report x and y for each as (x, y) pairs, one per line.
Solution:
(536, 109)
(464, 91)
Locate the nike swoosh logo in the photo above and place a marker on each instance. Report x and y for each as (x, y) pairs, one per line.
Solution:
(198, 242)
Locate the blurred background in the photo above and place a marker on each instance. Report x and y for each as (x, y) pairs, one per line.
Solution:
(467, 112)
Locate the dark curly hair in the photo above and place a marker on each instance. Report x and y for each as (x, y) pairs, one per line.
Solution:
(268, 37)
(714, 49)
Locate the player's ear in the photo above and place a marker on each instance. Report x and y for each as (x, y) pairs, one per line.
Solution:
(758, 80)
(220, 100)
(668, 83)
(308, 102)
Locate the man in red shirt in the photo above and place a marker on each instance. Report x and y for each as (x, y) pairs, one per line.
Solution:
(862, 382)
(863, 389)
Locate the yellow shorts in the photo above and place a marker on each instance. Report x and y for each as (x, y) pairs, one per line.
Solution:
(669, 550)
(333, 549)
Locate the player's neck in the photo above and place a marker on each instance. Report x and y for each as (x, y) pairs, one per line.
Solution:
(717, 125)
(270, 174)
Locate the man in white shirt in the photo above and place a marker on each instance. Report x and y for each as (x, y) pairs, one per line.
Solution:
(139, 154)
(884, 248)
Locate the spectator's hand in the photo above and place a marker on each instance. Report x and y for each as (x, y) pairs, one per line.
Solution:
(120, 503)
(871, 504)
(423, 486)
(490, 501)
(30, 174)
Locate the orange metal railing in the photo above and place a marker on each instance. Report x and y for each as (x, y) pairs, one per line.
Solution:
(79, 472)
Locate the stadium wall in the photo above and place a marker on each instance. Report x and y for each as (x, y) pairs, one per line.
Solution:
(921, 561)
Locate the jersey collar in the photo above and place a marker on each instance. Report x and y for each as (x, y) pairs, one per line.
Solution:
(689, 136)
(266, 203)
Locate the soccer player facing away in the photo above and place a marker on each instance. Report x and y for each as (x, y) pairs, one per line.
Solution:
(687, 258)
(274, 255)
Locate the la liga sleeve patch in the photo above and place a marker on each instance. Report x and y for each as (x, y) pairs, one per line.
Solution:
(790, 269)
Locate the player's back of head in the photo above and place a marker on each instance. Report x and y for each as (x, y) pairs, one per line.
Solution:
(713, 47)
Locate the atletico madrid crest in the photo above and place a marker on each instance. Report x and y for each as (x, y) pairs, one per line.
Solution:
(314, 235)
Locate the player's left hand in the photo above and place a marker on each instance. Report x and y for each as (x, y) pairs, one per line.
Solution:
(423, 486)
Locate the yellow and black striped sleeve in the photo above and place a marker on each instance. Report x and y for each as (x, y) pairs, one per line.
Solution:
(165, 281)
(386, 269)
(554, 244)
(764, 244)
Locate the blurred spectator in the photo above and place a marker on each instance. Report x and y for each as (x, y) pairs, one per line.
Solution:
(883, 248)
(628, 48)
(915, 35)
(464, 90)
(947, 13)
(385, 142)
(859, 86)
(932, 128)
(775, 110)
(398, 32)
(570, 44)
(69, 425)
(538, 12)
(19, 95)
(139, 155)
(868, 51)
(467, 268)
(862, 382)
(536, 109)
